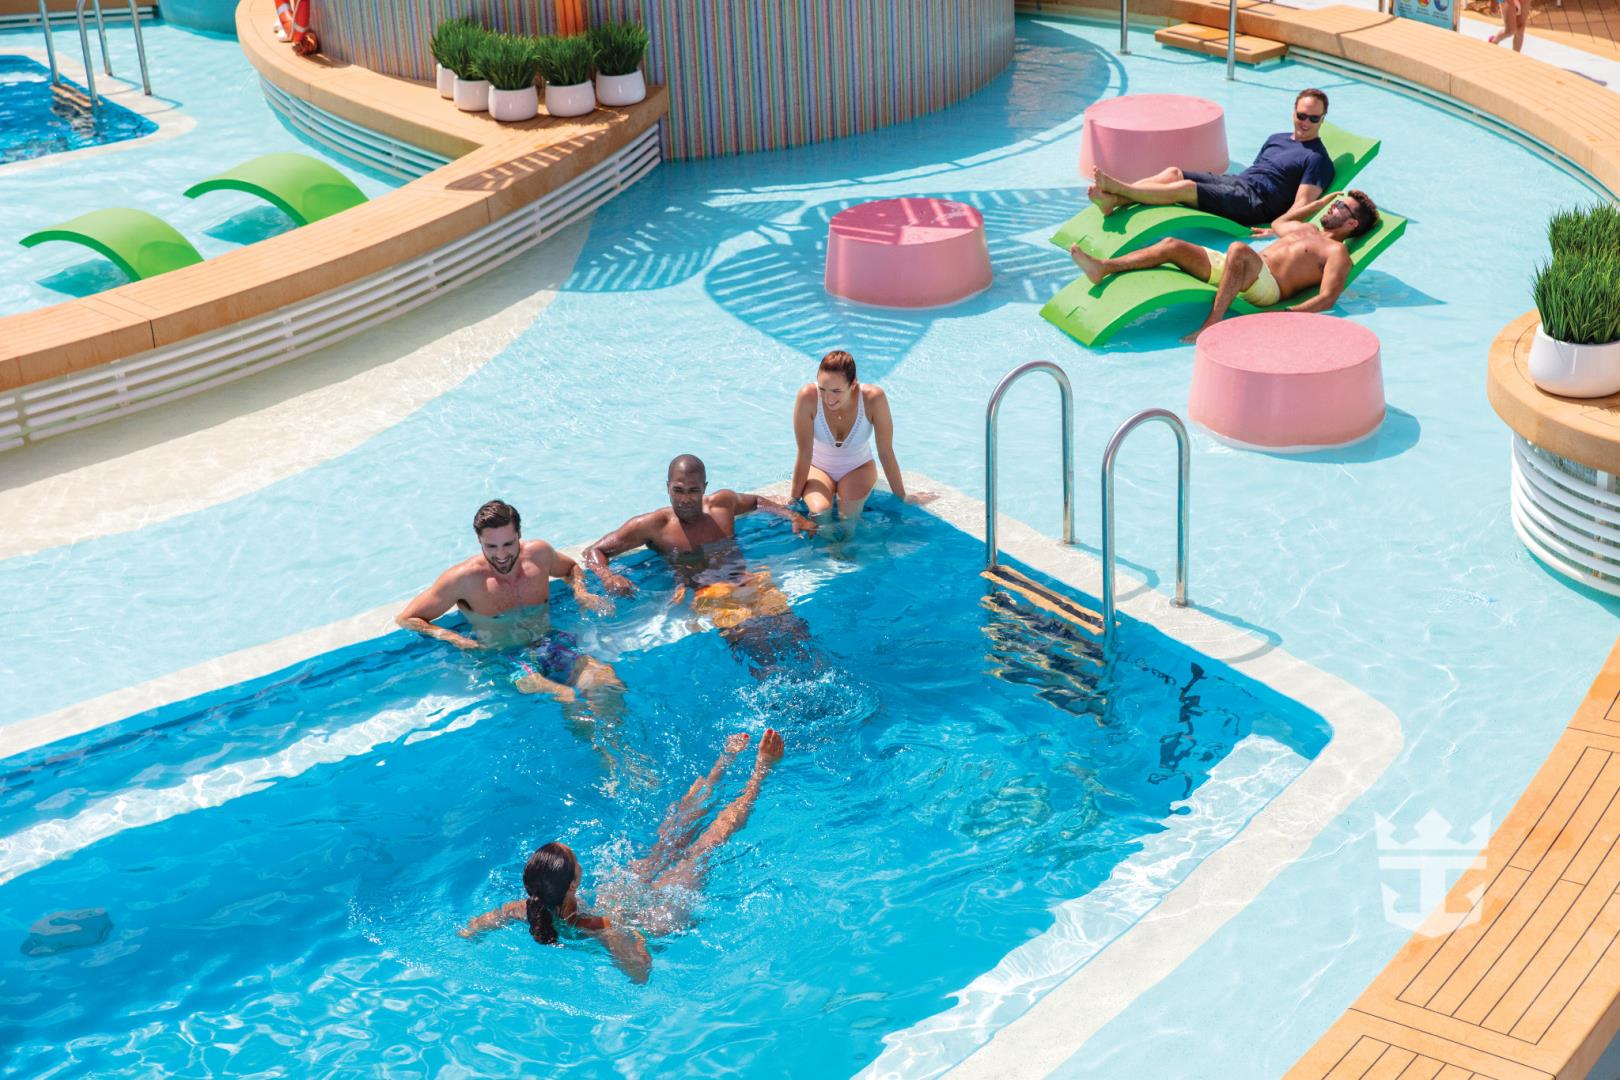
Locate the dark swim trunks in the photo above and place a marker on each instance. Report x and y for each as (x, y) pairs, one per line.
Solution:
(1229, 197)
(554, 657)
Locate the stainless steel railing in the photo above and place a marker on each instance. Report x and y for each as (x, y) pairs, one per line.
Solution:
(1184, 454)
(84, 45)
(991, 411)
(1231, 42)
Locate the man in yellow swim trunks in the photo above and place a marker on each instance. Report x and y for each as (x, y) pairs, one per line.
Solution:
(697, 533)
(1305, 256)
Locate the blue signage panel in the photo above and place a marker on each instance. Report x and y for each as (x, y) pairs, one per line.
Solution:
(1439, 12)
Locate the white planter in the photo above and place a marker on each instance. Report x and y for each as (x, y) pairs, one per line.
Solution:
(445, 79)
(471, 95)
(618, 90)
(1579, 371)
(513, 105)
(576, 100)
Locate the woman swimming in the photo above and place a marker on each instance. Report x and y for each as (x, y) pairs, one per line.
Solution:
(653, 893)
(835, 420)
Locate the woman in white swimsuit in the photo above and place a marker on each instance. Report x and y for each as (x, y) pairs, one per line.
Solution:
(835, 420)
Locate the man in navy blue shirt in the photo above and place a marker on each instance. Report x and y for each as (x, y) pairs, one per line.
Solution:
(1291, 170)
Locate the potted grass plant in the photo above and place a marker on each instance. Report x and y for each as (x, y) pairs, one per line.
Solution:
(1584, 231)
(618, 48)
(445, 52)
(1576, 350)
(565, 64)
(470, 90)
(509, 63)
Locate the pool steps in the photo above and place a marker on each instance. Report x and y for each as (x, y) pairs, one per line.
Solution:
(1197, 38)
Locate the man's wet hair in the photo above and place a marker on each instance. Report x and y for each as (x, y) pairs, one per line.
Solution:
(494, 514)
(686, 463)
(1366, 212)
(1311, 91)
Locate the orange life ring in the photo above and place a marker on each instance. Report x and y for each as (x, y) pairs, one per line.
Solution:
(295, 24)
(570, 17)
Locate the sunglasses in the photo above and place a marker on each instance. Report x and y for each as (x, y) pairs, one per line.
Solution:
(1309, 118)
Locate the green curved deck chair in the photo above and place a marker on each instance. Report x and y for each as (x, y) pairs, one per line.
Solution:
(1093, 313)
(306, 189)
(1132, 227)
(140, 244)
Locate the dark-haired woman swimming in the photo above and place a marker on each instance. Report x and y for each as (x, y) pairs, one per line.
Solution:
(653, 893)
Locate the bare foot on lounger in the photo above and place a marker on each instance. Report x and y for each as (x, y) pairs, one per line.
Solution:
(1091, 266)
(1106, 202)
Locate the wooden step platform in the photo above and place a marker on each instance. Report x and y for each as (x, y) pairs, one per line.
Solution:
(1045, 599)
(1212, 42)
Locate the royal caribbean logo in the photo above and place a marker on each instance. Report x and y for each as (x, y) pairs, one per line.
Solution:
(1438, 860)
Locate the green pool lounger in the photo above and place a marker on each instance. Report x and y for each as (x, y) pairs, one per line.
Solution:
(1132, 227)
(1093, 313)
(306, 189)
(142, 245)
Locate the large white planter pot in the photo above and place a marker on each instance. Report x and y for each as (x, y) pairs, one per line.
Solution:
(1579, 371)
(576, 100)
(471, 95)
(618, 90)
(445, 80)
(513, 105)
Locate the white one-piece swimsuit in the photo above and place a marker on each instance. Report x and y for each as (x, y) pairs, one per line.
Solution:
(840, 458)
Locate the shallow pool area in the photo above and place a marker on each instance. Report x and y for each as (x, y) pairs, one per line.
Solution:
(34, 123)
(948, 786)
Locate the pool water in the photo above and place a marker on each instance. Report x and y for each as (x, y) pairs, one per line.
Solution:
(35, 122)
(285, 863)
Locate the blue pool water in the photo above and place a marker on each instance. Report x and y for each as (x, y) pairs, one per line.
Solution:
(215, 116)
(33, 123)
(694, 311)
(284, 864)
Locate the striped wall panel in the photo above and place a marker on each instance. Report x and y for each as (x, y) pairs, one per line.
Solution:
(743, 75)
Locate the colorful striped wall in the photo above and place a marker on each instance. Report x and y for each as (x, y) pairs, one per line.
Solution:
(743, 75)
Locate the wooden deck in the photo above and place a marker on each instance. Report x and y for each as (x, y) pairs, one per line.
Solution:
(1593, 25)
(1528, 986)
(1581, 429)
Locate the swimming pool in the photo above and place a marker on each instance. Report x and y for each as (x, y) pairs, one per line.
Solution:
(33, 123)
(694, 310)
(959, 764)
(209, 98)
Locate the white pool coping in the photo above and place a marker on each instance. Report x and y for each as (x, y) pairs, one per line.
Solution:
(1366, 738)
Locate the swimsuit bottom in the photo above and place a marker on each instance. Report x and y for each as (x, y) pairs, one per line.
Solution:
(1263, 293)
(553, 657)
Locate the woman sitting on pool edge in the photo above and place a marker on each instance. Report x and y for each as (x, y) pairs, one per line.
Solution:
(649, 894)
(835, 419)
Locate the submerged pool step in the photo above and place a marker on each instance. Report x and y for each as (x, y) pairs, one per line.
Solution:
(1211, 41)
(67, 94)
(1045, 598)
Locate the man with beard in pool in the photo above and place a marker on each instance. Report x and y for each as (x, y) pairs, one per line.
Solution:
(697, 534)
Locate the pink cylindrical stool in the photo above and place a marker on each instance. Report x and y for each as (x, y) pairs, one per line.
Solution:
(909, 253)
(1135, 136)
(1288, 381)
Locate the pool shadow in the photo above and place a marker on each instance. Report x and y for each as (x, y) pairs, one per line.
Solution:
(86, 278)
(252, 225)
(655, 249)
(1399, 432)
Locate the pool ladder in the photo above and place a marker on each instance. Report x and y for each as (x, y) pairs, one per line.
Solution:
(84, 44)
(992, 567)
(1231, 33)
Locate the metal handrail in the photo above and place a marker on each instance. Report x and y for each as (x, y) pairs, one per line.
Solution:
(1184, 453)
(140, 46)
(1124, 42)
(1231, 42)
(50, 44)
(990, 414)
(101, 31)
(84, 44)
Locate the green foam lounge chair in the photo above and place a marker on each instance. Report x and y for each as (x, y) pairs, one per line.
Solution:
(142, 245)
(306, 189)
(1091, 314)
(1132, 227)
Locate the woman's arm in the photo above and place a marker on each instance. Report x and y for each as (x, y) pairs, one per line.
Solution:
(804, 425)
(877, 410)
(494, 920)
(629, 949)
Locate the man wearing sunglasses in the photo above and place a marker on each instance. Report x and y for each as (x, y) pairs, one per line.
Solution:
(1305, 256)
(1292, 169)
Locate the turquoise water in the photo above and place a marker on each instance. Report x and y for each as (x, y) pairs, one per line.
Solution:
(33, 124)
(696, 309)
(198, 79)
(284, 864)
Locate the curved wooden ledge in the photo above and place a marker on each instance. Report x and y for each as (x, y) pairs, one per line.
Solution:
(498, 169)
(1586, 430)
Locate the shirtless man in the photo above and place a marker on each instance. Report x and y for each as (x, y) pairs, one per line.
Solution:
(505, 593)
(1305, 256)
(697, 533)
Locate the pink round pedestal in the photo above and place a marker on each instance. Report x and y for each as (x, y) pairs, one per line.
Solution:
(910, 253)
(1288, 381)
(1135, 136)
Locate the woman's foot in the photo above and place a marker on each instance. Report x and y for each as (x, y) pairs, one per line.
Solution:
(770, 750)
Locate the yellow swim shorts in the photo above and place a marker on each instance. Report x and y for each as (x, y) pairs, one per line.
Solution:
(727, 605)
(1263, 293)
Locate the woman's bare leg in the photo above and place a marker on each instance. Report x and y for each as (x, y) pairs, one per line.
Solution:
(688, 873)
(676, 831)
